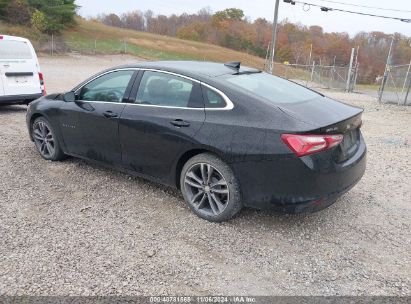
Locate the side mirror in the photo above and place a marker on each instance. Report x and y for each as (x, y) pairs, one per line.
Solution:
(69, 97)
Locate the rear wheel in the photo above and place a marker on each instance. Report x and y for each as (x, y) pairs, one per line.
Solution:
(45, 140)
(210, 188)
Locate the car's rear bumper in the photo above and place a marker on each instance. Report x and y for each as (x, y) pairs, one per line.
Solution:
(311, 205)
(295, 185)
(18, 99)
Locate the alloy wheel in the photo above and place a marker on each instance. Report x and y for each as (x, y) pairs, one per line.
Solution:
(207, 189)
(43, 138)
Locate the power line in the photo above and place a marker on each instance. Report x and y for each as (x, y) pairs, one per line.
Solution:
(327, 9)
(366, 6)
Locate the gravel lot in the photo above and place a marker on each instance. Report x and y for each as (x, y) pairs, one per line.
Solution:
(71, 228)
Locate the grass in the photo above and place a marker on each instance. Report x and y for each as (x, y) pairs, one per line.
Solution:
(292, 72)
(83, 44)
(21, 31)
(94, 37)
(91, 37)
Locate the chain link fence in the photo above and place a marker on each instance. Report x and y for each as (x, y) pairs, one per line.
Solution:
(55, 45)
(318, 76)
(396, 85)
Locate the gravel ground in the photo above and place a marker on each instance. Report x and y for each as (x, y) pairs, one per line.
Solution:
(71, 228)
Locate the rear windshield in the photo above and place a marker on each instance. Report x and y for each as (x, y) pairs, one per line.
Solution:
(11, 49)
(272, 88)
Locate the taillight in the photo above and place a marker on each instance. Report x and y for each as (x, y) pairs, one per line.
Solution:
(302, 144)
(42, 85)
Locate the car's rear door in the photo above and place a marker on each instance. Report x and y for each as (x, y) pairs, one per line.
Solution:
(90, 124)
(166, 112)
(19, 68)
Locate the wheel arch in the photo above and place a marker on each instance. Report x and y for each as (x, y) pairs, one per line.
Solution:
(33, 117)
(55, 127)
(188, 155)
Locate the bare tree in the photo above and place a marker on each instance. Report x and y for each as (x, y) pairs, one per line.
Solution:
(133, 20)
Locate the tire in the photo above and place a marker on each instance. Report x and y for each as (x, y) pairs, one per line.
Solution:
(45, 140)
(215, 198)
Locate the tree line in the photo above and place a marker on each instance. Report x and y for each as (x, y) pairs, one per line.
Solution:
(46, 16)
(232, 29)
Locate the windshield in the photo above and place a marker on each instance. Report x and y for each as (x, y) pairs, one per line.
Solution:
(272, 88)
(12, 49)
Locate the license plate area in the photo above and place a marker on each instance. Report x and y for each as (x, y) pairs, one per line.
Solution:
(350, 139)
(348, 146)
(20, 79)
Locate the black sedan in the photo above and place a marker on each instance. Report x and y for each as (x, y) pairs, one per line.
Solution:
(227, 136)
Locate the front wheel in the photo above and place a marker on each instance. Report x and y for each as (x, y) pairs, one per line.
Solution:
(210, 188)
(45, 140)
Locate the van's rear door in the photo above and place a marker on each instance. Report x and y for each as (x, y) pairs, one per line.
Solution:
(1, 82)
(19, 68)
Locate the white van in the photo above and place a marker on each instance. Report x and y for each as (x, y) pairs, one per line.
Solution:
(21, 80)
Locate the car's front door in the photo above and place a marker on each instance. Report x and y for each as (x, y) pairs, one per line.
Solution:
(90, 124)
(166, 113)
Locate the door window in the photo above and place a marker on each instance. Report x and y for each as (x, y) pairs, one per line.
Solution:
(163, 89)
(109, 87)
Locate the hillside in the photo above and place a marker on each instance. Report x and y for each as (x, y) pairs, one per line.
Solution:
(91, 37)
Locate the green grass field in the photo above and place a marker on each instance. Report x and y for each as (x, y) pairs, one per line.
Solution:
(91, 37)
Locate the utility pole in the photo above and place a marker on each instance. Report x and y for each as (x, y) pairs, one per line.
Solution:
(274, 37)
(349, 76)
(387, 68)
(266, 64)
(408, 92)
(406, 77)
(52, 44)
(311, 54)
(312, 71)
(356, 55)
(357, 67)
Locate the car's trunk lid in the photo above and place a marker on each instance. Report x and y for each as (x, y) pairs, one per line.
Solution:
(327, 116)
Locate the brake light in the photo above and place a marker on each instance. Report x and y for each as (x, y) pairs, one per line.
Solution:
(302, 144)
(42, 85)
(1, 37)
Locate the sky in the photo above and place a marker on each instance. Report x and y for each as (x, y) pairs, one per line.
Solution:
(331, 21)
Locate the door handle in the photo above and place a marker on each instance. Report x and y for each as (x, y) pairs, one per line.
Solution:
(179, 123)
(109, 114)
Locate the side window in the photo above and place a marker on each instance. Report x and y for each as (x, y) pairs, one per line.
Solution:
(163, 89)
(213, 99)
(109, 87)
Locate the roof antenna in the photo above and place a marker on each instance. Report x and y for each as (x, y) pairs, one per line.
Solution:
(235, 65)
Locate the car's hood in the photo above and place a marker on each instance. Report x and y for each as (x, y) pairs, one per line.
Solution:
(320, 112)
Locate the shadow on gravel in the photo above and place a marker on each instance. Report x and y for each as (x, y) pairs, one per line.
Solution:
(247, 217)
(116, 173)
(272, 216)
(12, 109)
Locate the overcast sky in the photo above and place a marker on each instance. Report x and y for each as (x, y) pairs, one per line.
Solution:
(330, 21)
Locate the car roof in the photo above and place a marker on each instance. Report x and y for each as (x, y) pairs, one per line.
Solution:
(191, 68)
(199, 70)
(15, 38)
